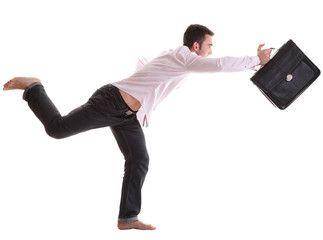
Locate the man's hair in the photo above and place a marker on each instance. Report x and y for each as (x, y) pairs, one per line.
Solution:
(195, 33)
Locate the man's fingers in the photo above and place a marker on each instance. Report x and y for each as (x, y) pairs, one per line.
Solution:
(260, 47)
(264, 55)
(268, 52)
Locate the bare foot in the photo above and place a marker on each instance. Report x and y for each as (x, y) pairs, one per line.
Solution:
(19, 83)
(135, 225)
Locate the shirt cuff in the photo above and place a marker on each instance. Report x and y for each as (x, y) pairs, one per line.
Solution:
(255, 62)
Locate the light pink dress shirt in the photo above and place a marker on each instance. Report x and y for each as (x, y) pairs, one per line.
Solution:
(155, 79)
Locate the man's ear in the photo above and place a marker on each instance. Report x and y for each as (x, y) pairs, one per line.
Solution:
(195, 47)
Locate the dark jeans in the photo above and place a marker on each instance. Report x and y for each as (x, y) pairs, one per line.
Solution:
(105, 108)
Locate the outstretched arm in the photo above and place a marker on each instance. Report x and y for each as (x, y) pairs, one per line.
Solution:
(196, 63)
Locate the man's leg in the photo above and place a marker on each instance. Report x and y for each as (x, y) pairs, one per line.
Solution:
(131, 141)
(104, 108)
(95, 113)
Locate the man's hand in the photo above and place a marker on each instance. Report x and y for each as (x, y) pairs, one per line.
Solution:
(264, 55)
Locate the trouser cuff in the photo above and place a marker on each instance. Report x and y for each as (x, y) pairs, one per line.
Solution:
(127, 220)
(24, 96)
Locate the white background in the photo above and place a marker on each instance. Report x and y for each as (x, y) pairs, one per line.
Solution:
(225, 163)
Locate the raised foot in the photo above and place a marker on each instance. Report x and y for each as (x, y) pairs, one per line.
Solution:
(19, 83)
(135, 225)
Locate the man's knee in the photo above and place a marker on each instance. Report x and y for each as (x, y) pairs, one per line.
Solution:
(143, 163)
(54, 134)
(140, 164)
(55, 130)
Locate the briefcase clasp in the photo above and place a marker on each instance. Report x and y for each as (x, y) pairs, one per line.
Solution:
(289, 77)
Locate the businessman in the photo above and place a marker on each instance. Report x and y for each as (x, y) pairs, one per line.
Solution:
(125, 106)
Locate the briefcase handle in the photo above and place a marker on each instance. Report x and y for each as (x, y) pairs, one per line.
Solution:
(273, 54)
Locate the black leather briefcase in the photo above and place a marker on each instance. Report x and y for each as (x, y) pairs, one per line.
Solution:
(286, 76)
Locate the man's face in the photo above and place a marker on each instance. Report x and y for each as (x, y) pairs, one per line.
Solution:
(206, 48)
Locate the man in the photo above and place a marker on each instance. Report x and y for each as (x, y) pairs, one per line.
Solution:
(128, 104)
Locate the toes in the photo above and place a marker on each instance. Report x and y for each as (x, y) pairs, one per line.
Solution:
(6, 85)
(148, 227)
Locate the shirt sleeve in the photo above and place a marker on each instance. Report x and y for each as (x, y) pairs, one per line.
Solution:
(197, 63)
